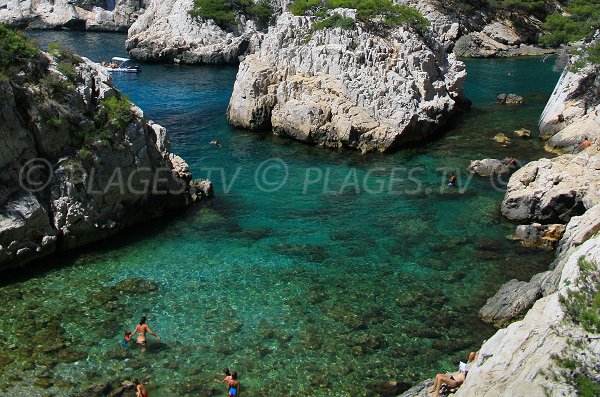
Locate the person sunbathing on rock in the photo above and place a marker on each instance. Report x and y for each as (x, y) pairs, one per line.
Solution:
(454, 380)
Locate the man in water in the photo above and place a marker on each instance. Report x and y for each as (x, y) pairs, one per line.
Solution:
(452, 180)
(215, 142)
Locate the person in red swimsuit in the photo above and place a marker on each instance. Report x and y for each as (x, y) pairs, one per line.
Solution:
(140, 390)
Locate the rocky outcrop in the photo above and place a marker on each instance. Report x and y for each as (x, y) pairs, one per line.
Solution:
(167, 33)
(573, 111)
(66, 180)
(100, 15)
(346, 88)
(544, 237)
(553, 190)
(481, 32)
(489, 167)
(517, 360)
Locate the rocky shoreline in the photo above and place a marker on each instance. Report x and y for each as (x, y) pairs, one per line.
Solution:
(66, 180)
(163, 30)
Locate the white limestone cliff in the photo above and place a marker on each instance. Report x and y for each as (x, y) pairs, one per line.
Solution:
(347, 88)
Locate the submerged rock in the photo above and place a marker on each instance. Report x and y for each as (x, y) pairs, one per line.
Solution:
(510, 99)
(340, 88)
(501, 138)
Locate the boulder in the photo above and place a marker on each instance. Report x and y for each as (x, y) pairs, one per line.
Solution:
(512, 300)
(522, 133)
(501, 138)
(553, 190)
(544, 237)
(488, 167)
(517, 360)
(340, 88)
(510, 99)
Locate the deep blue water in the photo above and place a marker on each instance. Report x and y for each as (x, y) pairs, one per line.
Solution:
(312, 272)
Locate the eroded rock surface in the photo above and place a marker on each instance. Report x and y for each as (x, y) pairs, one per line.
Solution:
(57, 193)
(167, 33)
(77, 15)
(553, 190)
(340, 88)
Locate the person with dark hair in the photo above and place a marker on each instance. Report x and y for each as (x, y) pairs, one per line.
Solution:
(227, 378)
(234, 385)
(140, 390)
(584, 145)
(142, 328)
(452, 180)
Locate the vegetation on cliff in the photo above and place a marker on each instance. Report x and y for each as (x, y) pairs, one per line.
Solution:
(15, 50)
(582, 309)
(381, 12)
(225, 12)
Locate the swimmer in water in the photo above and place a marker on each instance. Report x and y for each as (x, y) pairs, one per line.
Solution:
(142, 328)
(215, 142)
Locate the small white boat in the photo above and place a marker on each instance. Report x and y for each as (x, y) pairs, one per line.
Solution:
(121, 65)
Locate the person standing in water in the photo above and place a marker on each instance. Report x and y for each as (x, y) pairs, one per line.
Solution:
(140, 390)
(234, 385)
(142, 328)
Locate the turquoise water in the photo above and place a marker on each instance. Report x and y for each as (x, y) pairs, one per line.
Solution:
(312, 272)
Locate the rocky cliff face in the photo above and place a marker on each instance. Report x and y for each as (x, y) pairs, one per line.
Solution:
(100, 15)
(573, 111)
(482, 32)
(517, 360)
(347, 88)
(167, 33)
(66, 181)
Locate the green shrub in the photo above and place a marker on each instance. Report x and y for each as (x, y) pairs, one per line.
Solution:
(523, 5)
(15, 49)
(55, 87)
(581, 20)
(305, 7)
(118, 112)
(68, 70)
(224, 12)
(385, 11)
(86, 156)
(582, 308)
(220, 11)
(262, 12)
(335, 21)
(63, 53)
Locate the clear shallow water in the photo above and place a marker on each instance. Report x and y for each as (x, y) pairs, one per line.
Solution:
(319, 289)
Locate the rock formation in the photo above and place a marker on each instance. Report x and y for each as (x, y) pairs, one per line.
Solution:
(489, 167)
(517, 360)
(573, 111)
(553, 190)
(57, 193)
(482, 32)
(346, 88)
(101, 15)
(167, 33)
